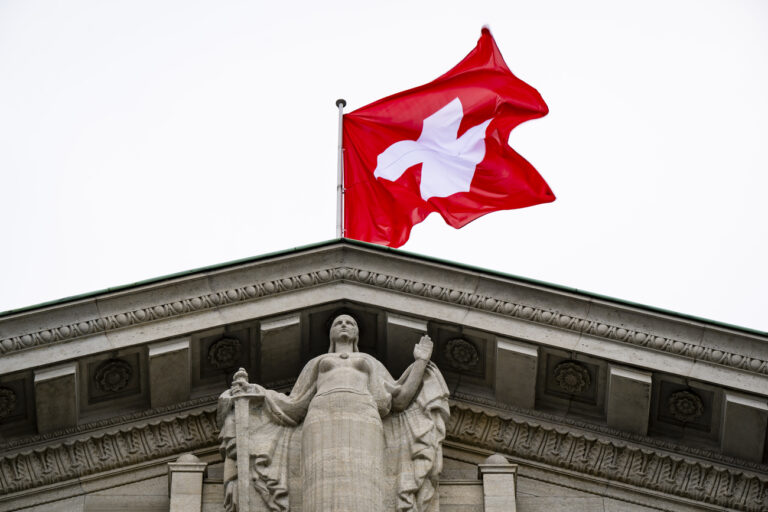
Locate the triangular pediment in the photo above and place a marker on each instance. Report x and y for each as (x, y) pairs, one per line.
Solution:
(550, 377)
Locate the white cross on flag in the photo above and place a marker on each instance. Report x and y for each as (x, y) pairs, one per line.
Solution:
(447, 161)
(440, 147)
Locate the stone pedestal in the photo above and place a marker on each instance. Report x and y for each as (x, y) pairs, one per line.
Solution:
(499, 484)
(185, 483)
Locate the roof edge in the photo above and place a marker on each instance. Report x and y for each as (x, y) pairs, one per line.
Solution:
(383, 249)
(168, 277)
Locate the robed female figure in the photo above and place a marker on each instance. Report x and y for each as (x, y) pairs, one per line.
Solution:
(348, 437)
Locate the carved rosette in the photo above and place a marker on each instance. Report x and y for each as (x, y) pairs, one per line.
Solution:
(224, 353)
(685, 406)
(461, 354)
(113, 375)
(572, 377)
(7, 402)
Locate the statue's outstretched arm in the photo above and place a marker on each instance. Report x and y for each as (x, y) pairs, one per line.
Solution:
(403, 395)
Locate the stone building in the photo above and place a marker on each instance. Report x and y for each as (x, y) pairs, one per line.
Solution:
(560, 400)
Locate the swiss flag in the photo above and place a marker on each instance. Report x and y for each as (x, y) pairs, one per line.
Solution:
(441, 147)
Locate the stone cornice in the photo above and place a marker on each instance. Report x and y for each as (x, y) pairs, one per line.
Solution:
(604, 431)
(457, 398)
(609, 459)
(126, 446)
(164, 311)
(526, 440)
(454, 296)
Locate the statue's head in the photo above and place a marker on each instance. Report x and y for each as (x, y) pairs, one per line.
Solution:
(344, 330)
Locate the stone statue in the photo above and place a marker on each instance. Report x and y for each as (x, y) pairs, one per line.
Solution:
(347, 438)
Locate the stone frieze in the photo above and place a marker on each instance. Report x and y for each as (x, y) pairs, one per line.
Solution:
(107, 451)
(557, 446)
(610, 459)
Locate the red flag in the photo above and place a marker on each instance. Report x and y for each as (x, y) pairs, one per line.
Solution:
(441, 147)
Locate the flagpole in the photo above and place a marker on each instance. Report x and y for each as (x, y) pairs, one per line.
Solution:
(340, 231)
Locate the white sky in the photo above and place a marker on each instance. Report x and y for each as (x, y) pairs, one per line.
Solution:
(141, 138)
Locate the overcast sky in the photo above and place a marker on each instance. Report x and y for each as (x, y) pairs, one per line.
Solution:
(141, 138)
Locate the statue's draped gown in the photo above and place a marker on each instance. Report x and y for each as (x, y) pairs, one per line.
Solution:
(342, 442)
(356, 453)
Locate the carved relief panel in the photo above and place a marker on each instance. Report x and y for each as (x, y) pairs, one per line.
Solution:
(17, 408)
(572, 382)
(685, 408)
(217, 353)
(113, 380)
(465, 352)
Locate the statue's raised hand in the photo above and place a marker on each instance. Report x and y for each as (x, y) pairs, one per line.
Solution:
(423, 349)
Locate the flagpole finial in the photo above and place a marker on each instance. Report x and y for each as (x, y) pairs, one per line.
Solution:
(340, 103)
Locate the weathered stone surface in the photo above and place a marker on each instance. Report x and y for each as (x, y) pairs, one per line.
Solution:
(461, 496)
(629, 399)
(186, 483)
(141, 493)
(743, 433)
(516, 367)
(169, 381)
(280, 348)
(74, 504)
(56, 397)
(149, 495)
